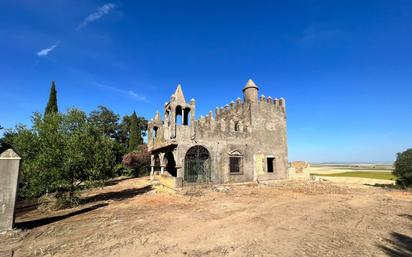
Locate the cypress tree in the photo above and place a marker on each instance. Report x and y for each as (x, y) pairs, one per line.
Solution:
(134, 133)
(52, 103)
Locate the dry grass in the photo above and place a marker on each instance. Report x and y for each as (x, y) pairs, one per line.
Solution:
(277, 219)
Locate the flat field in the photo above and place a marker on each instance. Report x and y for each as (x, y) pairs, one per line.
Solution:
(354, 173)
(284, 218)
(360, 174)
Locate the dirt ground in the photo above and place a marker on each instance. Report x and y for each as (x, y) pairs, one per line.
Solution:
(285, 218)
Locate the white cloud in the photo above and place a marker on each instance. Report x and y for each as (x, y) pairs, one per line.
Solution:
(315, 33)
(102, 10)
(136, 95)
(46, 51)
(129, 93)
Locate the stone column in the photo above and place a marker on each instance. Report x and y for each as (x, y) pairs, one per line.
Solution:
(192, 118)
(9, 176)
(162, 163)
(179, 167)
(183, 115)
(152, 164)
(173, 123)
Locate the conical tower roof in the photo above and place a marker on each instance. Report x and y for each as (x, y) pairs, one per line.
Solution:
(250, 84)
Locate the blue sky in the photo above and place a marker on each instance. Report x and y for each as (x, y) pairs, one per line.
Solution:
(344, 67)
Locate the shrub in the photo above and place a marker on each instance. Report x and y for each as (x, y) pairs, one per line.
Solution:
(403, 168)
(138, 161)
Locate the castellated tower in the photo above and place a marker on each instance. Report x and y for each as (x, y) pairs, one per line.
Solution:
(242, 141)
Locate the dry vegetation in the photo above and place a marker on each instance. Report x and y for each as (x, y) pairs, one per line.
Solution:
(130, 218)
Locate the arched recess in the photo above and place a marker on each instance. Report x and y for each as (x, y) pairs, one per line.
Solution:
(186, 116)
(236, 125)
(197, 165)
(179, 115)
(235, 162)
(154, 133)
(167, 118)
(171, 164)
(157, 162)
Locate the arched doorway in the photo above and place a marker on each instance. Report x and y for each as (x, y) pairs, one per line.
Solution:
(171, 164)
(197, 165)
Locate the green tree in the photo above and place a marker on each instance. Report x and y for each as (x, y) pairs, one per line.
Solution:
(3, 146)
(52, 103)
(62, 153)
(106, 121)
(403, 168)
(135, 133)
(125, 129)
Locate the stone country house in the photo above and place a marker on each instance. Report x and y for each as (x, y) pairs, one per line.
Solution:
(244, 141)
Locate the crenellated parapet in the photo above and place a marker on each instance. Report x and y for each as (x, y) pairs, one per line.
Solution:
(232, 119)
(244, 140)
(269, 104)
(238, 118)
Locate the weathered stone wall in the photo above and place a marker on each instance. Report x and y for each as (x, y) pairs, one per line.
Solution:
(9, 175)
(269, 135)
(255, 129)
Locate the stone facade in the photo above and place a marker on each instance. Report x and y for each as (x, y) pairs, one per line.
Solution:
(243, 141)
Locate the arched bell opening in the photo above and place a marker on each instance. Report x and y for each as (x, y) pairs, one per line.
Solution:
(186, 116)
(179, 115)
(154, 134)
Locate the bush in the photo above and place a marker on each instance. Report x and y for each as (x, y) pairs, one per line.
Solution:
(61, 153)
(138, 161)
(403, 168)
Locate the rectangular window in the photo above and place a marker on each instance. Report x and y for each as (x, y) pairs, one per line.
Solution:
(234, 164)
(271, 164)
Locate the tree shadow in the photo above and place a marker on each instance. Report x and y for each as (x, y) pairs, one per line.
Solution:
(116, 181)
(399, 245)
(117, 195)
(387, 186)
(44, 221)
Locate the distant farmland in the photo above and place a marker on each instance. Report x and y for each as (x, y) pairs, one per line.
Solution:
(373, 171)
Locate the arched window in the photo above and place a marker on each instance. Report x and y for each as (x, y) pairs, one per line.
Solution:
(235, 162)
(186, 116)
(154, 134)
(179, 114)
(167, 120)
(237, 126)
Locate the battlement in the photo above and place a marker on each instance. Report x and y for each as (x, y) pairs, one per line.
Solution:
(277, 105)
(241, 108)
(245, 140)
(234, 119)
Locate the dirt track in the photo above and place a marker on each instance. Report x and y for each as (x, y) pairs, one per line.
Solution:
(280, 219)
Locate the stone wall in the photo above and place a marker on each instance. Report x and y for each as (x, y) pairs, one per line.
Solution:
(9, 175)
(254, 128)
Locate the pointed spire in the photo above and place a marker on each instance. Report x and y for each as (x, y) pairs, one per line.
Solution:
(179, 94)
(250, 84)
(157, 117)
